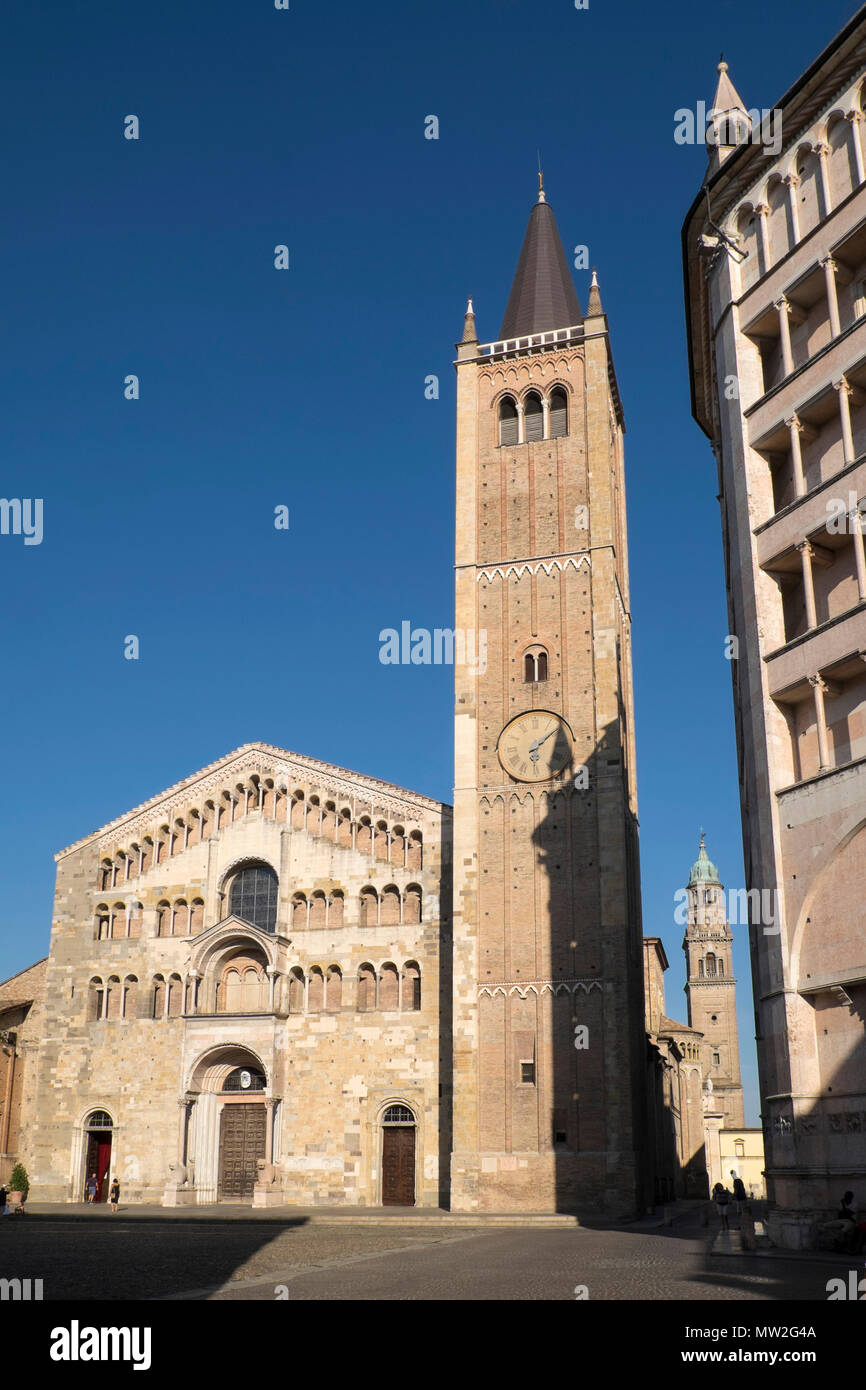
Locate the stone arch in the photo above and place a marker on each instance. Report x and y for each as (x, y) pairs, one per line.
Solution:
(336, 908)
(129, 1002)
(415, 850)
(390, 906)
(380, 841)
(240, 981)
(841, 162)
(211, 1068)
(364, 835)
(369, 907)
(748, 230)
(366, 989)
(334, 988)
(344, 828)
(95, 999)
(412, 904)
(398, 846)
(779, 224)
(297, 990)
(316, 990)
(389, 987)
(846, 910)
(411, 994)
(810, 194)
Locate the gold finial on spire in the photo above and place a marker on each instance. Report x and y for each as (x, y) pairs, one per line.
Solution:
(541, 197)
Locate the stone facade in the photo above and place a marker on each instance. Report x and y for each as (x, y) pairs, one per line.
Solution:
(21, 1000)
(775, 253)
(158, 991)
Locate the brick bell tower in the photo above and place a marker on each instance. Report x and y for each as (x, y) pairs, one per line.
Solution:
(548, 986)
(711, 989)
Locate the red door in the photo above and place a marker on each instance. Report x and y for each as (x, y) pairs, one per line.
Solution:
(99, 1161)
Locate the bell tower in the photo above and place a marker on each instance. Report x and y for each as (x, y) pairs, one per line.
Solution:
(548, 987)
(711, 989)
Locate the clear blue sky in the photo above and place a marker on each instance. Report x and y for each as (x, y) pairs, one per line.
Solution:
(306, 387)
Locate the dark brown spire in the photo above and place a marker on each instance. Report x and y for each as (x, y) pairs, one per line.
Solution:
(543, 294)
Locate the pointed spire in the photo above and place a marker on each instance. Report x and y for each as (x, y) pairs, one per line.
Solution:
(594, 304)
(543, 294)
(470, 334)
(731, 122)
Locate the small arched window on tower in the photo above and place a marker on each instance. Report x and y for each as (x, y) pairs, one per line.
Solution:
(721, 969)
(711, 965)
(558, 413)
(535, 665)
(507, 421)
(533, 417)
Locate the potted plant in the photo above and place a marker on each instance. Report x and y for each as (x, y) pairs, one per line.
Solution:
(19, 1186)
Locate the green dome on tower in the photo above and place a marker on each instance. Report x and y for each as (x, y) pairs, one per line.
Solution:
(703, 870)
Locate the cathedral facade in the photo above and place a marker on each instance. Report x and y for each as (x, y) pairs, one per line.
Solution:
(242, 997)
(283, 982)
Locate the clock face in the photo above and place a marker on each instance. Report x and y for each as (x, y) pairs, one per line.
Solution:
(535, 746)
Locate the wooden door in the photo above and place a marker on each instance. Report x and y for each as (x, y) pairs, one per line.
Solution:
(242, 1144)
(398, 1166)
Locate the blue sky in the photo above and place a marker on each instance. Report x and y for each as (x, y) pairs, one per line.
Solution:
(306, 387)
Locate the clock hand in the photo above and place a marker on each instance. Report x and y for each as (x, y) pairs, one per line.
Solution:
(533, 750)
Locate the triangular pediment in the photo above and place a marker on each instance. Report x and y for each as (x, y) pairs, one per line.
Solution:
(288, 770)
(232, 924)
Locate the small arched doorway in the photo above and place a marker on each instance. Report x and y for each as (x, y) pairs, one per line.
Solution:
(98, 1132)
(398, 1157)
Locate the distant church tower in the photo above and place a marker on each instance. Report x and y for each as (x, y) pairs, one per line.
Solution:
(711, 988)
(549, 1047)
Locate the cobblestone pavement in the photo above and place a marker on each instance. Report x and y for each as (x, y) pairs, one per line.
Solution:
(237, 1255)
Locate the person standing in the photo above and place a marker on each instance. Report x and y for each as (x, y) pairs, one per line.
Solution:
(722, 1199)
(739, 1191)
(92, 1188)
(114, 1195)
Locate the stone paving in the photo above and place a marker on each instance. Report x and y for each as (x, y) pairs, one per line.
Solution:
(237, 1254)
